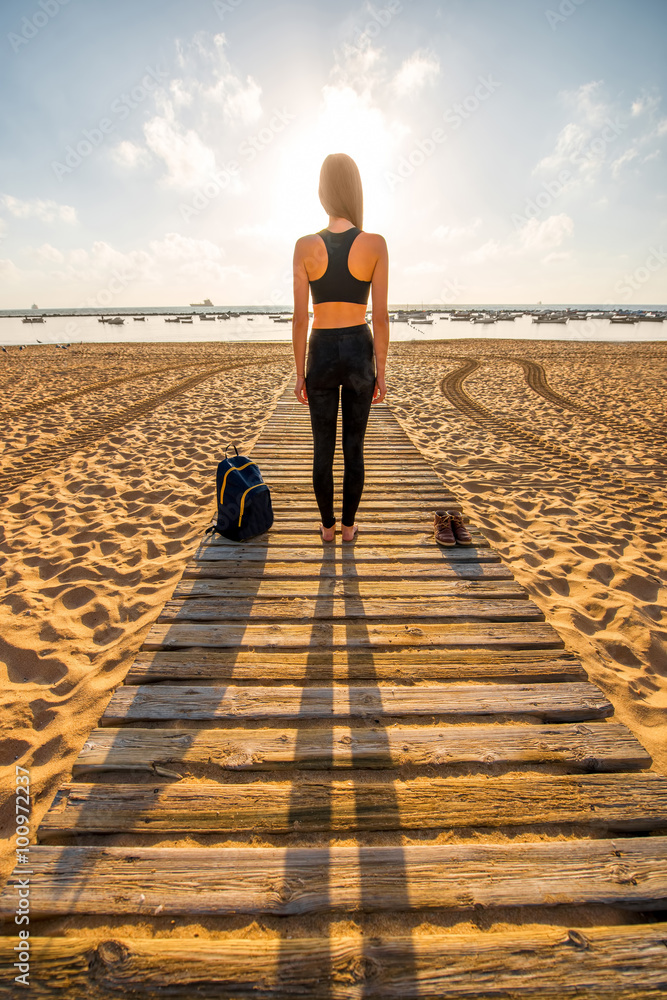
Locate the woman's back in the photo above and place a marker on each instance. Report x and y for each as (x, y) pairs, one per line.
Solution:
(340, 265)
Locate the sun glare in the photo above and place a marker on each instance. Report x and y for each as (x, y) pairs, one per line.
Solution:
(346, 123)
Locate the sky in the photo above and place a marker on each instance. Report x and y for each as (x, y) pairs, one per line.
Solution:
(156, 152)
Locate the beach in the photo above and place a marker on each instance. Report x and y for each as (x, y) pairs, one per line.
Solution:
(555, 450)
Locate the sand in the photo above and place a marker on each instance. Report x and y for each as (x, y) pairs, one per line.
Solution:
(93, 545)
(107, 491)
(578, 508)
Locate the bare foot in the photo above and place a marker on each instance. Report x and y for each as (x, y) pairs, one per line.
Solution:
(349, 531)
(328, 534)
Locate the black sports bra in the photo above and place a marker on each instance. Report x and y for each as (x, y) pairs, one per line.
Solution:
(337, 284)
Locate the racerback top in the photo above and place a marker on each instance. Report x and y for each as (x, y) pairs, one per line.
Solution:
(337, 284)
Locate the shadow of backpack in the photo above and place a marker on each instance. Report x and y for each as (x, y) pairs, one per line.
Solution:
(244, 499)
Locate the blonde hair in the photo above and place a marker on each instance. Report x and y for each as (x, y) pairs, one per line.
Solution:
(340, 188)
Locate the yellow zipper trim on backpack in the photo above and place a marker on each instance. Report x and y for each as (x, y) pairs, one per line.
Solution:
(234, 468)
(243, 499)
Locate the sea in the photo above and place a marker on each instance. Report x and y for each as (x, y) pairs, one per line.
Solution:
(254, 324)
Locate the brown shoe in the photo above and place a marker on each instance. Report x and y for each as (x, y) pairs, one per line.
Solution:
(442, 528)
(461, 533)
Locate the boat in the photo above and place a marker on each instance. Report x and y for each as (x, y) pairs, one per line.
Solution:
(422, 322)
(115, 320)
(186, 319)
(206, 302)
(139, 319)
(207, 319)
(172, 319)
(282, 319)
(624, 319)
(549, 319)
(483, 319)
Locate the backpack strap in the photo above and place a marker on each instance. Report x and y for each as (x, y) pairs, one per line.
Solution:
(231, 446)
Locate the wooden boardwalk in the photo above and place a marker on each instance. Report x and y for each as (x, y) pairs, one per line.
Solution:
(365, 746)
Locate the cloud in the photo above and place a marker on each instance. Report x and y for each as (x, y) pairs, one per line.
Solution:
(421, 69)
(546, 234)
(188, 160)
(555, 258)
(488, 250)
(128, 154)
(425, 267)
(36, 208)
(175, 262)
(48, 254)
(646, 103)
(9, 272)
(451, 234)
(209, 79)
(626, 157)
(580, 145)
(195, 114)
(603, 136)
(532, 238)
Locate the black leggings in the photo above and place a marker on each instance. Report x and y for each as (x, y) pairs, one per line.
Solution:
(341, 356)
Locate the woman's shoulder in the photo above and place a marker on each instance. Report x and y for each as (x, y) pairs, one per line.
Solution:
(375, 238)
(373, 242)
(305, 242)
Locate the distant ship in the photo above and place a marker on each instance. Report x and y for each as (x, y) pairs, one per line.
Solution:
(206, 302)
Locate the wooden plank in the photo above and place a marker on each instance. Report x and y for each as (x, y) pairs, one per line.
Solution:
(537, 963)
(360, 589)
(301, 517)
(575, 701)
(288, 521)
(242, 552)
(391, 609)
(372, 510)
(592, 746)
(608, 801)
(394, 573)
(364, 635)
(374, 537)
(74, 879)
(399, 483)
(265, 666)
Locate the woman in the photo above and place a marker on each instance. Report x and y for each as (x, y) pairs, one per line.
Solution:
(340, 264)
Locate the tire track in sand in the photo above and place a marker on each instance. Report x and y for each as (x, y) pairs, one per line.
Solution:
(93, 387)
(38, 459)
(536, 379)
(452, 387)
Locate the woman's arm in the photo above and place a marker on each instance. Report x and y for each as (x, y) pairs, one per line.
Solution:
(300, 319)
(379, 291)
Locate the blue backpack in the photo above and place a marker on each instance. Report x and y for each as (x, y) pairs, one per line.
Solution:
(244, 500)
